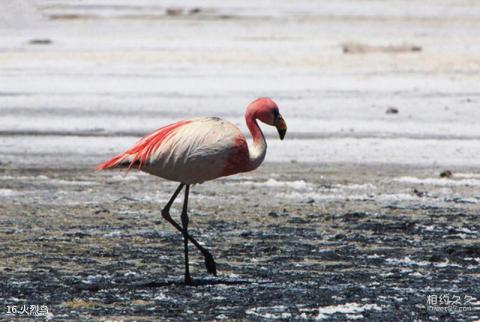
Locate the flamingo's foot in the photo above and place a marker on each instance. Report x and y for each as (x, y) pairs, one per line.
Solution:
(188, 280)
(210, 264)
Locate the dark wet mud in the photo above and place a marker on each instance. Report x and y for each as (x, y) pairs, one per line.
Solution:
(291, 242)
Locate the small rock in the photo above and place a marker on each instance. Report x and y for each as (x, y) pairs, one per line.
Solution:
(446, 174)
(311, 201)
(102, 210)
(419, 193)
(40, 42)
(195, 11)
(273, 214)
(297, 220)
(392, 110)
(436, 258)
(174, 12)
(81, 234)
(360, 48)
(330, 255)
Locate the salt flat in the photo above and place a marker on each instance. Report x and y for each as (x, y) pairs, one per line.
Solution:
(118, 70)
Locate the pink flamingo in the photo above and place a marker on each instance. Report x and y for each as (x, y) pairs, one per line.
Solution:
(198, 150)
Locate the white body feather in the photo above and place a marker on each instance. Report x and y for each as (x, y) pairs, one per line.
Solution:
(195, 152)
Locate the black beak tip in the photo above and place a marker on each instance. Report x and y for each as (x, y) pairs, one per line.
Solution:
(282, 133)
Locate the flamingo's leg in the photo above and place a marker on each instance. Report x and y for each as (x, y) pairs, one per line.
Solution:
(209, 261)
(184, 217)
(172, 199)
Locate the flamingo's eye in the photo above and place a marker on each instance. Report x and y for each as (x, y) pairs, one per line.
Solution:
(276, 113)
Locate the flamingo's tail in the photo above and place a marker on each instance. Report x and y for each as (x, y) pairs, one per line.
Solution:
(139, 154)
(119, 161)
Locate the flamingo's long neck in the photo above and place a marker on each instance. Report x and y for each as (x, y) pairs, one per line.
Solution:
(258, 149)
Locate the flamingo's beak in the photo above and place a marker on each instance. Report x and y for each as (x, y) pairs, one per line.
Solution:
(281, 126)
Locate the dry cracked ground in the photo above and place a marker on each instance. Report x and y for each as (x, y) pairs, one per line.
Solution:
(292, 241)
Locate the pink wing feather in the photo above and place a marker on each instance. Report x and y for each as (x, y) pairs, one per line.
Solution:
(144, 148)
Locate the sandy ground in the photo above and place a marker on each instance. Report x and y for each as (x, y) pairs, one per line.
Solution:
(348, 218)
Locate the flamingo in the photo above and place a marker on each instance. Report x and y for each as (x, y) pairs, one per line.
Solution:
(198, 150)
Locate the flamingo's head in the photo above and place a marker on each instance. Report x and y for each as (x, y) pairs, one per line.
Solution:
(266, 110)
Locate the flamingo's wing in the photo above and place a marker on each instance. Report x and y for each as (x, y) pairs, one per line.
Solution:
(191, 151)
(141, 152)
